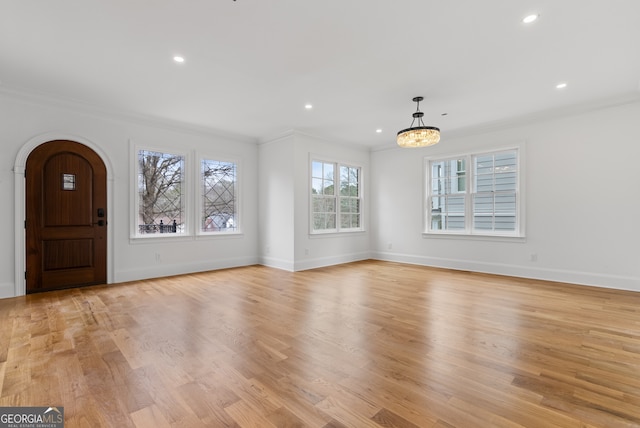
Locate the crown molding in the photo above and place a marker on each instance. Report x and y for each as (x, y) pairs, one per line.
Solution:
(328, 139)
(531, 118)
(98, 111)
(546, 115)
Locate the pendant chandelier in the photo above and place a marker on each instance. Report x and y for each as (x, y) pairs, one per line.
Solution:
(420, 135)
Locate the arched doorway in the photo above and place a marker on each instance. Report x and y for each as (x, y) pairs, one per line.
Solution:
(66, 217)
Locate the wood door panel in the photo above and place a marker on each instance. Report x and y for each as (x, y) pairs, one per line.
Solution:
(67, 203)
(66, 238)
(67, 254)
(65, 232)
(67, 278)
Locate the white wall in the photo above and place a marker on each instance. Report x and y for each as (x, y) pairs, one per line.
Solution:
(285, 204)
(582, 202)
(322, 250)
(277, 213)
(23, 119)
(582, 197)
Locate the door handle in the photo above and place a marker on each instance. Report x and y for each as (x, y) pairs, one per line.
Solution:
(100, 214)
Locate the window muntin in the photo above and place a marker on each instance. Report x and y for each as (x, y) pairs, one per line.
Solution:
(495, 191)
(484, 201)
(219, 208)
(349, 197)
(323, 196)
(335, 210)
(161, 201)
(448, 184)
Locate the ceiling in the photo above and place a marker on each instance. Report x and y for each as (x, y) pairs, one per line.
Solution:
(252, 65)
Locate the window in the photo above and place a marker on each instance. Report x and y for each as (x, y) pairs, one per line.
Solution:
(349, 197)
(335, 209)
(482, 201)
(494, 191)
(448, 188)
(167, 204)
(160, 192)
(219, 195)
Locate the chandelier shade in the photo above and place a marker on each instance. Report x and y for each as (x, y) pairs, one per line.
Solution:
(418, 136)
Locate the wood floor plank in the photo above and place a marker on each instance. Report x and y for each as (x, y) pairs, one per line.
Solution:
(343, 413)
(388, 419)
(251, 392)
(364, 344)
(209, 405)
(299, 399)
(247, 417)
(149, 417)
(284, 418)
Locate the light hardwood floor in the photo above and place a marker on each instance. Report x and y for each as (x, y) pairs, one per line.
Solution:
(367, 344)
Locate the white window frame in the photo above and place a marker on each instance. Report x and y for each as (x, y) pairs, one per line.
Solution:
(468, 231)
(200, 197)
(337, 165)
(135, 234)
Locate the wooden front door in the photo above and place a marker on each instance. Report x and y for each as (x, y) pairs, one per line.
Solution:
(66, 227)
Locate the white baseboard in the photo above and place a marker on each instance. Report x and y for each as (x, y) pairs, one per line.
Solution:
(330, 261)
(560, 275)
(162, 270)
(282, 264)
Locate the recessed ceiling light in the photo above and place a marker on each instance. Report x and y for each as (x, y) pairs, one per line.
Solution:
(379, 130)
(178, 59)
(530, 18)
(308, 106)
(561, 85)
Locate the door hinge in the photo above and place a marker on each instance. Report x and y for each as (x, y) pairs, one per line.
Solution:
(25, 274)
(25, 224)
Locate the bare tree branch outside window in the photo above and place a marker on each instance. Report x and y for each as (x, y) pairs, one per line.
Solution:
(218, 196)
(160, 191)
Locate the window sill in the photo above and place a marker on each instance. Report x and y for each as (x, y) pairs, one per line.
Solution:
(474, 237)
(174, 237)
(335, 234)
(160, 237)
